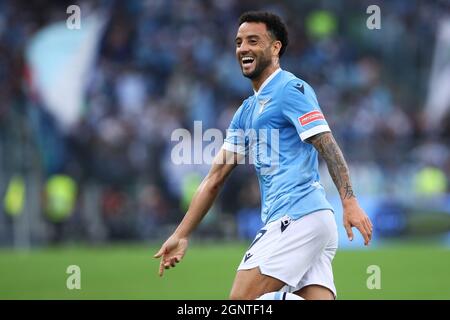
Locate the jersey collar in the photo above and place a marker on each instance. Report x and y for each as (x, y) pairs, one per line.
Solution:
(266, 82)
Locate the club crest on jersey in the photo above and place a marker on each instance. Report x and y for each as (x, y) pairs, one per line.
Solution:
(262, 104)
(311, 117)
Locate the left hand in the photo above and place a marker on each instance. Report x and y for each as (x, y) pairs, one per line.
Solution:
(354, 216)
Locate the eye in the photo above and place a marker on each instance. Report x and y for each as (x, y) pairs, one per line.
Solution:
(253, 41)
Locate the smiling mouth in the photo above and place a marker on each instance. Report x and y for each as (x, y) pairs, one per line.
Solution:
(247, 61)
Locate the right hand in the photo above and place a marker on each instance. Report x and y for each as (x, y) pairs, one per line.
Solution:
(171, 252)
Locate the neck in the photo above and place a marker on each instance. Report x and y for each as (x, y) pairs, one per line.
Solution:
(256, 83)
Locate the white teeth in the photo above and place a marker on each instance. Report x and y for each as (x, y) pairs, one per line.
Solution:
(247, 59)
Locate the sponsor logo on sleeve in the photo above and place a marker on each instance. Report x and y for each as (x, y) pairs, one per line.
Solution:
(248, 255)
(311, 117)
(300, 87)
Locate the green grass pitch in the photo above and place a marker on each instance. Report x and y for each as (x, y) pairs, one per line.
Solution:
(207, 272)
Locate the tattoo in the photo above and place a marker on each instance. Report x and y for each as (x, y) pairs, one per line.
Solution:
(337, 167)
(348, 192)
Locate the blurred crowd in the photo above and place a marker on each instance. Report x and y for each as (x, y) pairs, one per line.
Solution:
(164, 64)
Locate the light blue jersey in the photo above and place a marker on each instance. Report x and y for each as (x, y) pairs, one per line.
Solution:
(271, 128)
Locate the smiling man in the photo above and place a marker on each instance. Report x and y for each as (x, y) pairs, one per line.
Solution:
(291, 255)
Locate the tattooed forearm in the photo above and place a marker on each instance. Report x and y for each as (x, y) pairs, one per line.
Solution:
(337, 167)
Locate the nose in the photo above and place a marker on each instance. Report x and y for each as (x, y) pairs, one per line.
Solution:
(242, 49)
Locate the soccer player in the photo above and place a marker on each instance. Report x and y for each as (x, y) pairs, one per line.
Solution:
(293, 252)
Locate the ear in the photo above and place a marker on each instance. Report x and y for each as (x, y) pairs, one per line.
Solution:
(276, 47)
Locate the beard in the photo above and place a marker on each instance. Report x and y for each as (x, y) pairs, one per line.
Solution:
(261, 64)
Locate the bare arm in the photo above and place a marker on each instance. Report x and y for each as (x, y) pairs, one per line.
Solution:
(174, 249)
(337, 167)
(354, 216)
(207, 192)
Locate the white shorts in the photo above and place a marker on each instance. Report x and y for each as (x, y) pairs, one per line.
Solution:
(297, 252)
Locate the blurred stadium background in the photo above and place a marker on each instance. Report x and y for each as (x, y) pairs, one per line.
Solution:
(86, 117)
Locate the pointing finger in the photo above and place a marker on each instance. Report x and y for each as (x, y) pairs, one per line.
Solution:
(161, 267)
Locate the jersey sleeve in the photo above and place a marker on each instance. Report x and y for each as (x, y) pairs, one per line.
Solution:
(300, 107)
(235, 138)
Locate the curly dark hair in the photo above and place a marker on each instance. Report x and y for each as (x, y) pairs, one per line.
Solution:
(273, 23)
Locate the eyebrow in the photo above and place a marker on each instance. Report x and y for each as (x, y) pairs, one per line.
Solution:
(248, 37)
